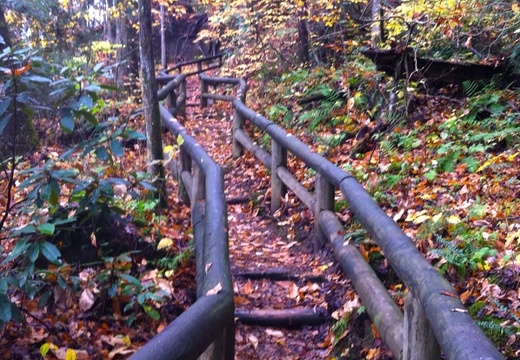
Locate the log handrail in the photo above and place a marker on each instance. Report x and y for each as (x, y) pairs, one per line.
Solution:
(178, 67)
(444, 318)
(207, 327)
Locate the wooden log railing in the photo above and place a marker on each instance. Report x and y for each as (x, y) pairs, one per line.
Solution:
(434, 318)
(212, 62)
(206, 329)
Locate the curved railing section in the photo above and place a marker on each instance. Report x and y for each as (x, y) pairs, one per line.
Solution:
(434, 318)
(206, 329)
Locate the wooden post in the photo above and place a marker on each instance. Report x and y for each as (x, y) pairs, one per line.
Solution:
(203, 90)
(182, 90)
(198, 184)
(223, 348)
(419, 339)
(184, 165)
(278, 188)
(171, 99)
(324, 201)
(238, 124)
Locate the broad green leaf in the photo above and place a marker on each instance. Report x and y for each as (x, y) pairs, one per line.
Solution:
(67, 123)
(102, 153)
(4, 105)
(5, 308)
(430, 175)
(4, 122)
(131, 280)
(38, 79)
(3, 286)
(20, 247)
(151, 312)
(50, 252)
(135, 135)
(33, 252)
(93, 88)
(117, 148)
(46, 229)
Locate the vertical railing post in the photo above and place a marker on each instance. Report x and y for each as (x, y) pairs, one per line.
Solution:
(238, 124)
(199, 67)
(181, 106)
(238, 120)
(184, 165)
(198, 185)
(203, 90)
(278, 188)
(324, 195)
(419, 339)
(171, 100)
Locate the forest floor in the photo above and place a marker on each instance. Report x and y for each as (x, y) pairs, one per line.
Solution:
(260, 242)
(477, 210)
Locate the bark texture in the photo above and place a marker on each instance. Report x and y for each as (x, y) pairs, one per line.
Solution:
(151, 105)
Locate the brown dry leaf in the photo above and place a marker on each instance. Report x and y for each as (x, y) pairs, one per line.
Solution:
(86, 300)
(215, 290)
(275, 333)
(248, 288)
(241, 300)
(253, 340)
(120, 353)
(294, 292)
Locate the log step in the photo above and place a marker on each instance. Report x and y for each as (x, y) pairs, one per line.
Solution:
(279, 274)
(289, 318)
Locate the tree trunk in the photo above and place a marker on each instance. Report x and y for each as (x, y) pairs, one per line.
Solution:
(377, 29)
(163, 39)
(151, 105)
(4, 31)
(122, 54)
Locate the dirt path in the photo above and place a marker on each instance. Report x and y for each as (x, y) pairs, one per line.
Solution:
(260, 242)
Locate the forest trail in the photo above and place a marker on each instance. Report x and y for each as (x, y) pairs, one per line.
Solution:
(259, 243)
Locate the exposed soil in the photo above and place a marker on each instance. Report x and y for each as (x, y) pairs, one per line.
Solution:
(259, 241)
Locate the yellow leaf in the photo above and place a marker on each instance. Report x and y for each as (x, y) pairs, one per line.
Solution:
(164, 243)
(512, 156)
(437, 217)
(180, 140)
(453, 219)
(515, 7)
(44, 349)
(70, 355)
(421, 219)
(168, 149)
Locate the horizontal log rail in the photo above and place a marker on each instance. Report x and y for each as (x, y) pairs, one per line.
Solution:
(209, 60)
(432, 321)
(206, 329)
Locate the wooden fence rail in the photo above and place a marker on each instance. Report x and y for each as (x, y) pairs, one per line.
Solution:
(433, 320)
(206, 329)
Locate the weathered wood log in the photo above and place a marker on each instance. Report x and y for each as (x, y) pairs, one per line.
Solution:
(290, 318)
(324, 195)
(292, 183)
(419, 339)
(256, 150)
(278, 188)
(238, 200)
(394, 63)
(217, 97)
(280, 274)
(383, 311)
